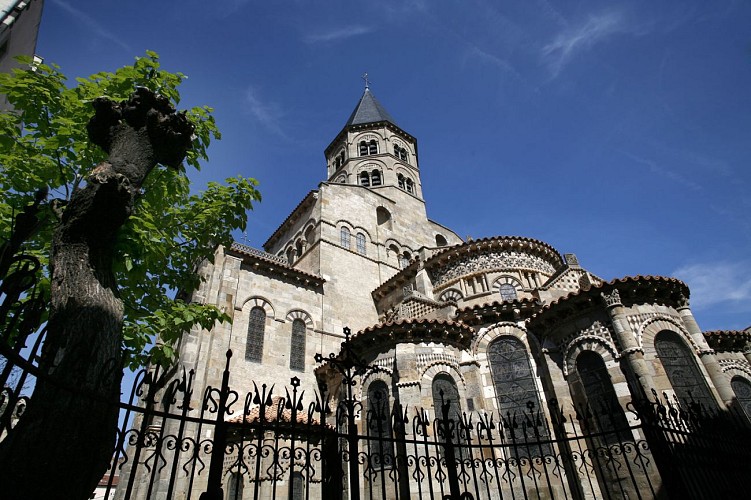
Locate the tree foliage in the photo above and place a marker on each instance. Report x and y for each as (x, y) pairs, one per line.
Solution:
(44, 145)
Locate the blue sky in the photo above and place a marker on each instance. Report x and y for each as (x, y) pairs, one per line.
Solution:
(618, 131)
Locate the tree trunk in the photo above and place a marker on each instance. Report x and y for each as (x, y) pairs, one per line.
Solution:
(63, 444)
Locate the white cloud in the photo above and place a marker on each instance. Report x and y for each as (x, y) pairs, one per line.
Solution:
(91, 23)
(337, 34)
(664, 171)
(573, 40)
(267, 114)
(718, 282)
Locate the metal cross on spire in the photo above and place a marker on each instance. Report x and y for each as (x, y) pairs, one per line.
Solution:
(367, 81)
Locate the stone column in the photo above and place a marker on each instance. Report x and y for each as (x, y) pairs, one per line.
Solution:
(707, 355)
(631, 352)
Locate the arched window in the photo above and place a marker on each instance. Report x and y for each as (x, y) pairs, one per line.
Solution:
(379, 424)
(373, 147)
(298, 485)
(363, 148)
(410, 185)
(404, 260)
(290, 256)
(297, 346)
(400, 181)
(235, 486)
(310, 235)
(299, 248)
(508, 292)
(445, 392)
(383, 217)
(742, 389)
(680, 367)
(375, 177)
(256, 327)
(440, 240)
(400, 152)
(360, 240)
(364, 179)
(518, 399)
(344, 237)
(607, 414)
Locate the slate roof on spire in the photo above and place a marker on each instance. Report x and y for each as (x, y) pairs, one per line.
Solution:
(369, 110)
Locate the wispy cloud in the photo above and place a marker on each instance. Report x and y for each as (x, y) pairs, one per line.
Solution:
(718, 282)
(568, 43)
(338, 34)
(664, 171)
(268, 114)
(92, 24)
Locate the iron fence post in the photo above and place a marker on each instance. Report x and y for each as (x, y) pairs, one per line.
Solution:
(214, 489)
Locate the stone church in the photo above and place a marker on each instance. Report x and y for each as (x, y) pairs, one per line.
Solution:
(495, 323)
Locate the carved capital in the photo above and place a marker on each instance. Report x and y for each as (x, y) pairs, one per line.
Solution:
(683, 302)
(614, 299)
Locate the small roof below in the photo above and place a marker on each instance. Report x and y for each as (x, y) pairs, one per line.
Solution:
(369, 110)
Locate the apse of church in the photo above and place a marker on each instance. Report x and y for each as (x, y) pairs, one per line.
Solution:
(504, 324)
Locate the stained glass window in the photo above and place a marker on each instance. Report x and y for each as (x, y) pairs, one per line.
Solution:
(443, 383)
(297, 349)
(379, 424)
(742, 389)
(682, 371)
(256, 327)
(600, 395)
(515, 388)
(508, 292)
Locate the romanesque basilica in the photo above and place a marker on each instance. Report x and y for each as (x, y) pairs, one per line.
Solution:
(499, 324)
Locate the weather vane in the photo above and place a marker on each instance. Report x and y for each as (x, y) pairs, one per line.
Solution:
(367, 82)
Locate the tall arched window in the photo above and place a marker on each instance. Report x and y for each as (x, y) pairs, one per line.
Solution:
(445, 392)
(298, 485)
(518, 399)
(363, 148)
(344, 237)
(297, 346)
(410, 186)
(378, 419)
(680, 366)
(600, 395)
(235, 486)
(375, 177)
(290, 256)
(742, 389)
(400, 181)
(360, 240)
(373, 147)
(299, 248)
(256, 327)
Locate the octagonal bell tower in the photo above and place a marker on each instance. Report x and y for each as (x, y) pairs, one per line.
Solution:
(373, 151)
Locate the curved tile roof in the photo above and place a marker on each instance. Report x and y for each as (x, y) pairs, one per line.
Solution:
(453, 333)
(632, 289)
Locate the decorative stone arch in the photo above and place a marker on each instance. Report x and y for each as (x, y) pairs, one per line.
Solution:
(341, 178)
(594, 343)
(367, 136)
(451, 295)
(507, 279)
(309, 232)
(302, 315)
(651, 327)
(391, 242)
(736, 368)
(385, 375)
(345, 223)
(504, 328)
(360, 229)
(439, 366)
(258, 301)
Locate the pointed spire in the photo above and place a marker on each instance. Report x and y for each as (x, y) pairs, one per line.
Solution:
(368, 110)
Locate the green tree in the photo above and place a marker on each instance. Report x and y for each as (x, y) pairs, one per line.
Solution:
(119, 232)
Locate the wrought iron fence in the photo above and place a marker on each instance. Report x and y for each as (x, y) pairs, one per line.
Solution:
(270, 443)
